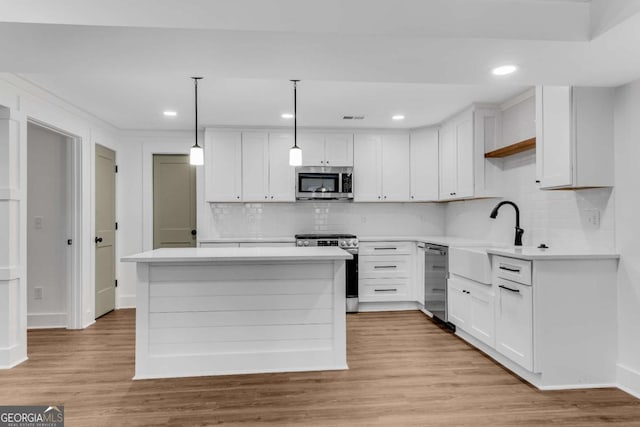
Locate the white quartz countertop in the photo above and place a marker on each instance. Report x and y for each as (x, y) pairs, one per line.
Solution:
(533, 253)
(239, 254)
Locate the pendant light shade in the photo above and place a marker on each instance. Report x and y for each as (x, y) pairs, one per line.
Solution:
(295, 153)
(196, 154)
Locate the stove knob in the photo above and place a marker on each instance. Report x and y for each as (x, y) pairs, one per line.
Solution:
(343, 244)
(355, 242)
(352, 242)
(299, 243)
(306, 243)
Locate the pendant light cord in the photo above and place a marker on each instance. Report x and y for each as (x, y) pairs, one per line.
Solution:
(295, 113)
(195, 83)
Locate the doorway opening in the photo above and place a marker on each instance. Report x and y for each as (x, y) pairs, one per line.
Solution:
(53, 266)
(174, 201)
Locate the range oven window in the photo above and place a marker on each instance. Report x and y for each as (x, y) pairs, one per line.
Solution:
(318, 182)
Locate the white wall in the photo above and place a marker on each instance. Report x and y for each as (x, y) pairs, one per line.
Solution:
(47, 250)
(21, 102)
(627, 159)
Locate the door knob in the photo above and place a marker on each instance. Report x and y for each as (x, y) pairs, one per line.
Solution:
(98, 239)
(194, 232)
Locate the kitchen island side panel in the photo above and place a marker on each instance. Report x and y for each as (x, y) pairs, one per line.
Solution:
(230, 318)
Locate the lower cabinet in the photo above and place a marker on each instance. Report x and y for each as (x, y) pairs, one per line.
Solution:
(471, 308)
(514, 322)
(386, 271)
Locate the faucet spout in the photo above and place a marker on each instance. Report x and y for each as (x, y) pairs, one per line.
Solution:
(519, 231)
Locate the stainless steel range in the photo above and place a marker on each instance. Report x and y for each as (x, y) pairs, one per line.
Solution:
(349, 243)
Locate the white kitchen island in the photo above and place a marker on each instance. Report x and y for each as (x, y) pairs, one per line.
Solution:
(218, 311)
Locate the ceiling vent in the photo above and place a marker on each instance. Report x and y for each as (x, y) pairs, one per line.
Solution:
(352, 117)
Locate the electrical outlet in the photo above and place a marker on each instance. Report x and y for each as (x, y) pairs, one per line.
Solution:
(37, 222)
(37, 293)
(593, 217)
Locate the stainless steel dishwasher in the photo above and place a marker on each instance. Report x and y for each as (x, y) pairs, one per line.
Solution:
(436, 272)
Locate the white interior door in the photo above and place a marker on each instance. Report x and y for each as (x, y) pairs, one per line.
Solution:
(105, 256)
(174, 201)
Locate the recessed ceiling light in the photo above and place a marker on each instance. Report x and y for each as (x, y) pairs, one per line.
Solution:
(504, 70)
(398, 117)
(170, 113)
(287, 116)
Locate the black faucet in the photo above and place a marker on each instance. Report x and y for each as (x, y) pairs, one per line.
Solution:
(519, 231)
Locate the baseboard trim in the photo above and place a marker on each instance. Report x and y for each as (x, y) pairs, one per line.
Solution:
(126, 301)
(46, 320)
(628, 380)
(12, 356)
(388, 306)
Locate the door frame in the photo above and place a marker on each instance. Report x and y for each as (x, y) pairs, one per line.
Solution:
(148, 150)
(74, 223)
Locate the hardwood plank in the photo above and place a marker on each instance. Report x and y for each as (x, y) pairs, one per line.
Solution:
(509, 150)
(404, 370)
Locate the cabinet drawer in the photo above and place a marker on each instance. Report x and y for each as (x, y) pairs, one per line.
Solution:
(386, 248)
(371, 290)
(384, 266)
(514, 269)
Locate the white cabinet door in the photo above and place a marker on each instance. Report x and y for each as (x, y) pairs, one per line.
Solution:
(424, 165)
(312, 145)
(555, 156)
(338, 149)
(448, 163)
(457, 303)
(223, 166)
(255, 166)
(395, 170)
(482, 314)
(366, 170)
(514, 322)
(465, 156)
(281, 175)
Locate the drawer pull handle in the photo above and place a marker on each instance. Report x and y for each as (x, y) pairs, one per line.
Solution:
(386, 290)
(385, 266)
(509, 289)
(385, 249)
(515, 270)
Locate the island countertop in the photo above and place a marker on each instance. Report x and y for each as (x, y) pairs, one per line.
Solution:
(239, 254)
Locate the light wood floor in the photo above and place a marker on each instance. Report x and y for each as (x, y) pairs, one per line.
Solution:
(405, 370)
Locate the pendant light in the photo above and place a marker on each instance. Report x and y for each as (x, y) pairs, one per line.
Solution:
(295, 153)
(196, 154)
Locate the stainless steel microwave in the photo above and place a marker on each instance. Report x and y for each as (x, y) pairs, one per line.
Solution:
(324, 183)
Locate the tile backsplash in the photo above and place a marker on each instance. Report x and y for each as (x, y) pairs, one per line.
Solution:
(287, 219)
(558, 218)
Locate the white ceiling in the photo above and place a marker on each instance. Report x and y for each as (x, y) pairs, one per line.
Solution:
(126, 62)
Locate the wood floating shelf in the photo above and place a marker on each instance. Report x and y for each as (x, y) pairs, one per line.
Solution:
(509, 150)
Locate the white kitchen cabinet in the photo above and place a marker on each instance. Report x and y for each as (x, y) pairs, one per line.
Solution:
(471, 308)
(331, 149)
(281, 175)
(266, 174)
(574, 137)
(424, 165)
(386, 271)
(514, 322)
(255, 166)
(223, 166)
(462, 144)
(381, 173)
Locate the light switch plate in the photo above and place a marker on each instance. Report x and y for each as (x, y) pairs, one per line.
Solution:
(37, 222)
(593, 217)
(38, 293)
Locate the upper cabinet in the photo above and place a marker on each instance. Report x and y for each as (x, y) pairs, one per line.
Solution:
(462, 143)
(380, 168)
(330, 149)
(574, 132)
(222, 166)
(424, 165)
(248, 167)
